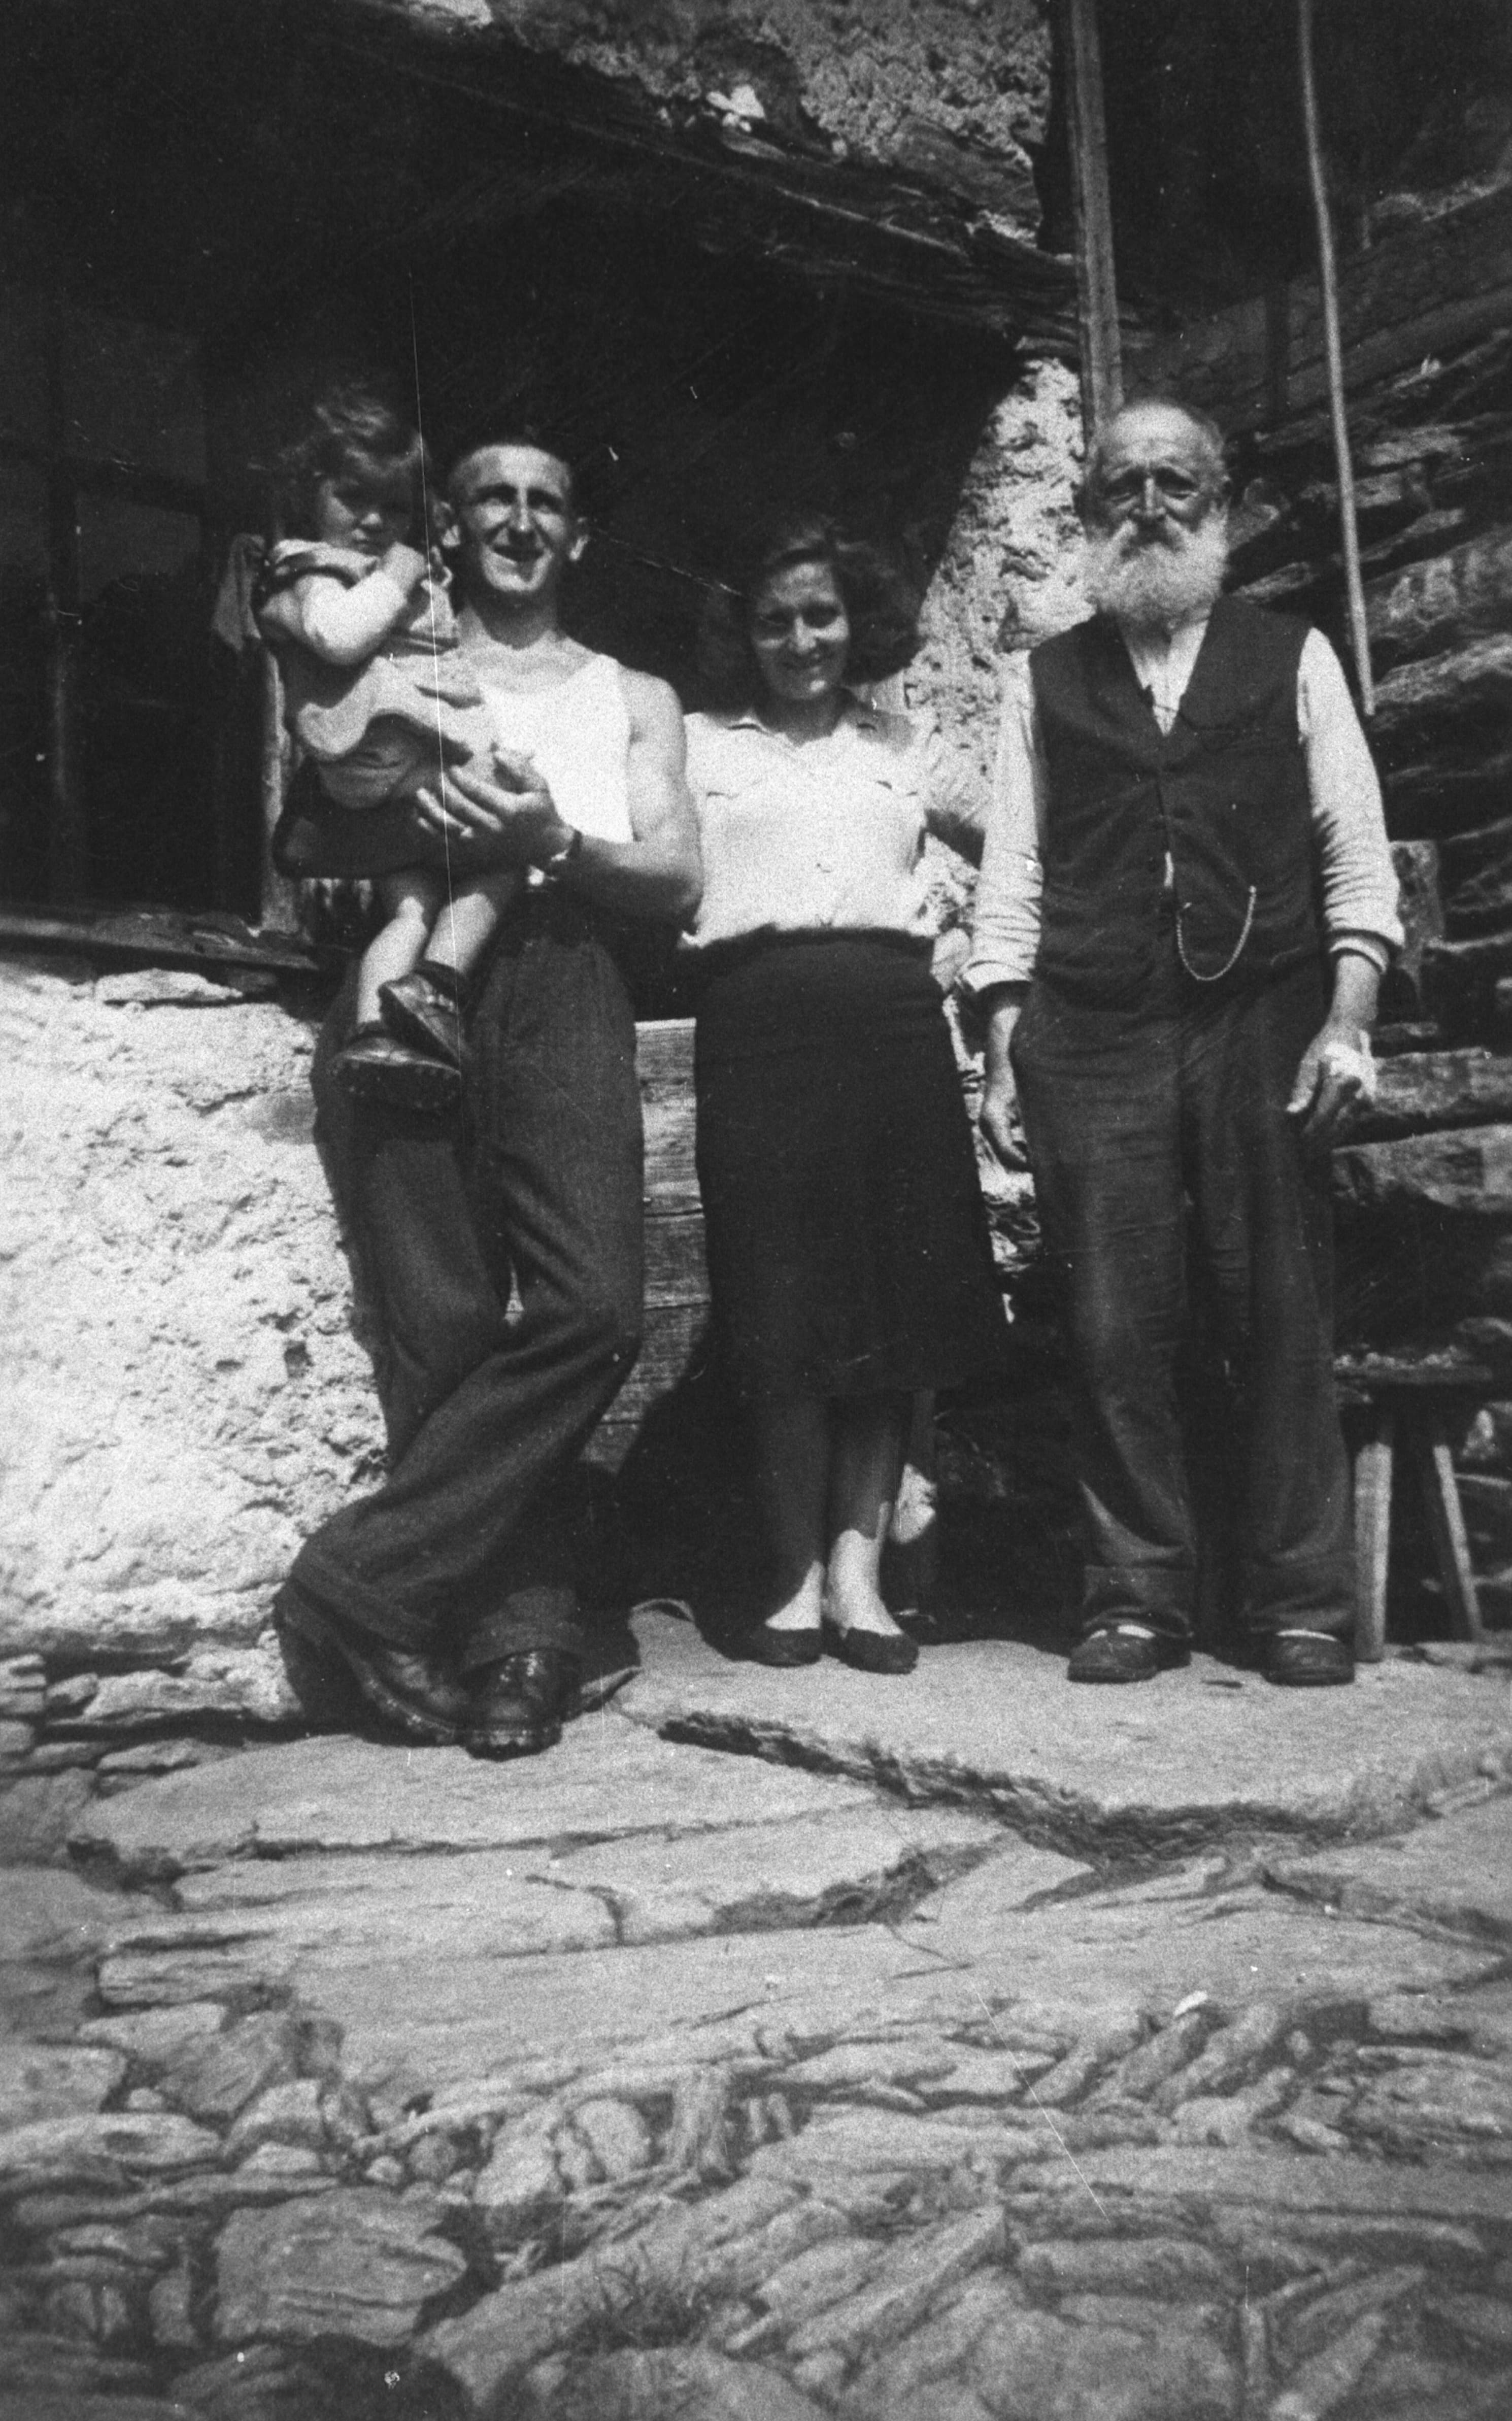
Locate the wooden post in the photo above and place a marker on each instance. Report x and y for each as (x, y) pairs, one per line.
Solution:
(279, 909)
(1446, 1521)
(1097, 296)
(1333, 354)
(1372, 1533)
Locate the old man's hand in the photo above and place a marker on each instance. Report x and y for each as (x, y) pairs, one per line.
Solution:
(502, 817)
(1336, 1080)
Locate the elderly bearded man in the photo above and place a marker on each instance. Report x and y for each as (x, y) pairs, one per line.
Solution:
(1188, 829)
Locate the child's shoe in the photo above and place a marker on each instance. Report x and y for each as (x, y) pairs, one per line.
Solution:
(418, 1013)
(373, 1067)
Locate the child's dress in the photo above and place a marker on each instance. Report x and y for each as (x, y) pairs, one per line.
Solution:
(368, 730)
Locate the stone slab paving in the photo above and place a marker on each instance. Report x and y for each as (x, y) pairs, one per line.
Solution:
(333, 1793)
(646, 2078)
(1455, 1875)
(1187, 1759)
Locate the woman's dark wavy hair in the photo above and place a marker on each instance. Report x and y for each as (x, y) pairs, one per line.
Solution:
(881, 604)
(353, 431)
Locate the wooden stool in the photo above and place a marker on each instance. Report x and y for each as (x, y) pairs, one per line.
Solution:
(1405, 1402)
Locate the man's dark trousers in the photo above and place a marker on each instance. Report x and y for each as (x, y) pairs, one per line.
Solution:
(1150, 1127)
(467, 1550)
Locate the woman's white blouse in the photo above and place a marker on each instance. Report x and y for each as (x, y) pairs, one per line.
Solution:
(819, 836)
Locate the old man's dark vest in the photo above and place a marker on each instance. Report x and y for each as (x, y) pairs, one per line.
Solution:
(1223, 794)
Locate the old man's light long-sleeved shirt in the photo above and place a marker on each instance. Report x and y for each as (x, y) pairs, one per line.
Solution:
(1358, 880)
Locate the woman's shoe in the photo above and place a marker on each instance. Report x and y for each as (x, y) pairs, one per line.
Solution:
(764, 1644)
(870, 1651)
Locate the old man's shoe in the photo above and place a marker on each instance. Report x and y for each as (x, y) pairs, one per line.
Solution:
(1126, 1652)
(520, 1705)
(1307, 1660)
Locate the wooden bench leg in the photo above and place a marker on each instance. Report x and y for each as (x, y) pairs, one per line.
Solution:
(1372, 1534)
(1446, 1520)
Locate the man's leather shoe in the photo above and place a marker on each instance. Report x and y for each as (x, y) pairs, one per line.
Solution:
(519, 1705)
(1126, 1652)
(408, 1690)
(1307, 1660)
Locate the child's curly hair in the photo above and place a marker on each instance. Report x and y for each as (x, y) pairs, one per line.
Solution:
(881, 606)
(355, 431)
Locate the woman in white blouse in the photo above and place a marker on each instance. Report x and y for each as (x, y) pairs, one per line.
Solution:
(847, 1247)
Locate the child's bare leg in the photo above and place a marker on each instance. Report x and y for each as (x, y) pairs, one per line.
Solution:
(424, 1008)
(468, 921)
(410, 899)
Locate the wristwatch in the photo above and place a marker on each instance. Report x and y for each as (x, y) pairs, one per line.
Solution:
(562, 859)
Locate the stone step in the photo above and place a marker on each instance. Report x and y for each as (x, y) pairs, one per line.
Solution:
(1196, 1756)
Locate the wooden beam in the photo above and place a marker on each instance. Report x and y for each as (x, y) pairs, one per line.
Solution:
(904, 240)
(1102, 353)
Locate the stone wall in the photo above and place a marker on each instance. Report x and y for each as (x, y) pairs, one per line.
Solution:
(186, 1393)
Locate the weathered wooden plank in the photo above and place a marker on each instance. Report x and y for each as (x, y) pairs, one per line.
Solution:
(663, 1057)
(1419, 294)
(676, 1271)
(663, 1062)
(1448, 791)
(1474, 679)
(675, 1342)
(1466, 1170)
(1421, 1091)
(1359, 1375)
(1434, 605)
(166, 937)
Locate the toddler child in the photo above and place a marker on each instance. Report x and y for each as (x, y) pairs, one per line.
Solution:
(355, 607)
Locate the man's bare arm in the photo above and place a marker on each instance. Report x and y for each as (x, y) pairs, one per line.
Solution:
(655, 875)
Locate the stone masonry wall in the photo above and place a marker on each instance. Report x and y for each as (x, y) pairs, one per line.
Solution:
(186, 1394)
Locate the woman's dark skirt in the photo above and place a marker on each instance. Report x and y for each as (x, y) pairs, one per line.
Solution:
(847, 1242)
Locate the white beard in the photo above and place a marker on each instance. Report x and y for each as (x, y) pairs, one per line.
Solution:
(1152, 585)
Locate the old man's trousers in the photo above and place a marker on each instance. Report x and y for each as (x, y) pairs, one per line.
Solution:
(1169, 1176)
